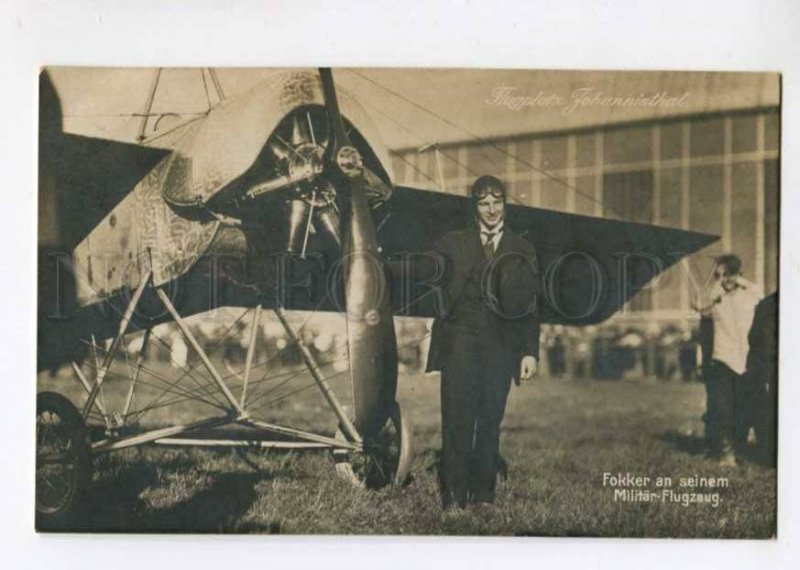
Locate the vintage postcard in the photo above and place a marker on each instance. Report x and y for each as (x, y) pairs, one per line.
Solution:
(408, 301)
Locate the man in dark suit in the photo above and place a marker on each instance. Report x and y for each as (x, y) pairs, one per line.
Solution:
(486, 334)
(762, 374)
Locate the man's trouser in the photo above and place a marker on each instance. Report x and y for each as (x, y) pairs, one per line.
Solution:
(476, 378)
(729, 398)
(763, 376)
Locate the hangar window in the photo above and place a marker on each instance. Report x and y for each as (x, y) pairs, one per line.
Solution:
(628, 196)
(771, 227)
(628, 145)
(772, 126)
(744, 134)
(708, 137)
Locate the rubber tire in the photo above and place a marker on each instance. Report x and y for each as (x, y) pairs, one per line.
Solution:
(395, 471)
(64, 515)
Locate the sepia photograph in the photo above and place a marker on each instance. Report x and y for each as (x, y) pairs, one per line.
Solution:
(408, 301)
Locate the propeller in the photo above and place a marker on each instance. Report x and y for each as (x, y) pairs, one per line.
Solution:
(332, 191)
(370, 326)
(314, 169)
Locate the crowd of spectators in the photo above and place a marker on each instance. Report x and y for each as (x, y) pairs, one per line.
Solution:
(612, 351)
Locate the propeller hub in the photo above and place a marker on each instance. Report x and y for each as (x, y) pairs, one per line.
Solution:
(306, 162)
(372, 317)
(350, 161)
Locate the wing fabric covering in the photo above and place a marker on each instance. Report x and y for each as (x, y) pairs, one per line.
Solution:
(81, 179)
(590, 267)
(579, 258)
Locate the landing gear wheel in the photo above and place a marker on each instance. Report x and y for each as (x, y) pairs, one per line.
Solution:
(386, 458)
(63, 461)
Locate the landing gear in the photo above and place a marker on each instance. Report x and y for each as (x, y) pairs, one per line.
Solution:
(319, 178)
(63, 460)
(385, 459)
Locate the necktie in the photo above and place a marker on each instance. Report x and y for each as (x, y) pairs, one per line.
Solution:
(488, 243)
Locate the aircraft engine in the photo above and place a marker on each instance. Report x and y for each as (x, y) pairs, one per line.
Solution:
(297, 173)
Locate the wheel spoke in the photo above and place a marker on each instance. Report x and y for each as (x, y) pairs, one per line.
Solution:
(63, 468)
(45, 432)
(46, 481)
(171, 386)
(215, 345)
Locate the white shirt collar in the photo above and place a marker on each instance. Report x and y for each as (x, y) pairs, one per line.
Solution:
(495, 231)
(491, 235)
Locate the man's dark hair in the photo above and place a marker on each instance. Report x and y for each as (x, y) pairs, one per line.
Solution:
(731, 263)
(484, 185)
(487, 184)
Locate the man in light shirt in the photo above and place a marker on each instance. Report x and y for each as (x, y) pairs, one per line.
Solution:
(731, 303)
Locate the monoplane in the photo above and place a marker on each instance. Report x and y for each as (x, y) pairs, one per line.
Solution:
(281, 198)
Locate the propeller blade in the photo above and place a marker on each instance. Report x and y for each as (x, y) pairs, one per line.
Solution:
(339, 150)
(337, 136)
(371, 339)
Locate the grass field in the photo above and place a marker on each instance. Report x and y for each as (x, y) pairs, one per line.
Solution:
(559, 438)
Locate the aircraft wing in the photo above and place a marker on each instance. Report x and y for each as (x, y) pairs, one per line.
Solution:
(580, 259)
(90, 177)
(590, 267)
(81, 179)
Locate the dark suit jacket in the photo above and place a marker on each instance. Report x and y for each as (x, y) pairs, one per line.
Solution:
(518, 291)
(762, 359)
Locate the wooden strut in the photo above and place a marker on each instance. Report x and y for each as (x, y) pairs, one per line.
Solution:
(308, 436)
(123, 328)
(251, 443)
(139, 363)
(167, 435)
(148, 107)
(106, 445)
(87, 386)
(316, 374)
(251, 349)
(100, 398)
(217, 85)
(235, 405)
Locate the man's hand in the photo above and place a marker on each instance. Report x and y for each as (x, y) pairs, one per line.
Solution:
(527, 368)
